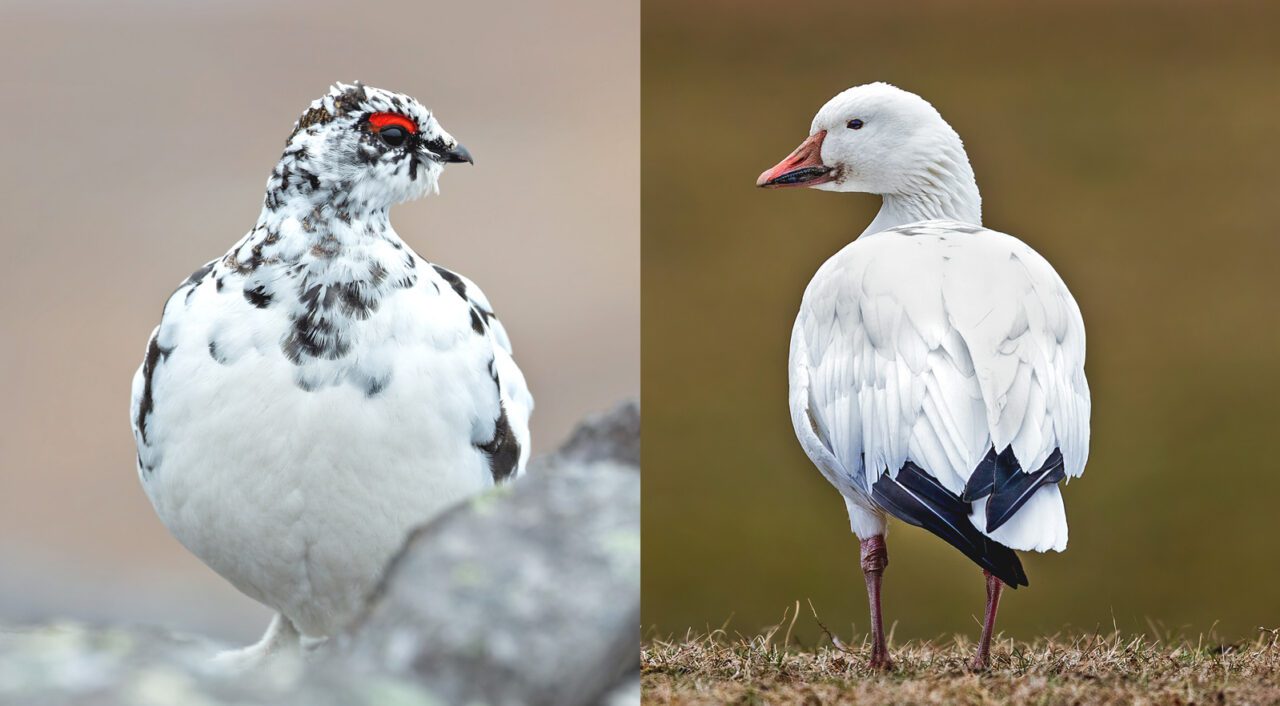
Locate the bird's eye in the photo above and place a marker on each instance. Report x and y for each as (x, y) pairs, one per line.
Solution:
(855, 124)
(393, 135)
(393, 128)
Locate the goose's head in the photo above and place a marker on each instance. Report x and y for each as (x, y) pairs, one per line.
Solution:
(876, 139)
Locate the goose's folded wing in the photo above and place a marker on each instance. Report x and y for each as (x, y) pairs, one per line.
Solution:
(1026, 337)
(943, 349)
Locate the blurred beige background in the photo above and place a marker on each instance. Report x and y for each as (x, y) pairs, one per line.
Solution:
(136, 138)
(1134, 144)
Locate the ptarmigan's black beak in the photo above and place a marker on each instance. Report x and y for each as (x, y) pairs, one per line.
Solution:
(457, 154)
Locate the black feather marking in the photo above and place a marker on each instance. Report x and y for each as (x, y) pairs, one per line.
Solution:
(311, 178)
(215, 354)
(454, 281)
(477, 324)
(155, 355)
(503, 449)
(354, 304)
(200, 273)
(375, 386)
(1016, 488)
(195, 279)
(258, 296)
(916, 498)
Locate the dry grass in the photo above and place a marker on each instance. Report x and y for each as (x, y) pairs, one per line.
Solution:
(1063, 669)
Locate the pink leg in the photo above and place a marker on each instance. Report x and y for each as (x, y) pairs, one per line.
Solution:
(874, 558)
(982, 660)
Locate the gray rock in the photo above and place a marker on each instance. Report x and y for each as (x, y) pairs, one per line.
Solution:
(610, 436)
(527, 595)
(625, 694)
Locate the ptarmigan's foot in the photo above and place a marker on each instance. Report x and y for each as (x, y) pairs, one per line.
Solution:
(281, 638)
(311, 647)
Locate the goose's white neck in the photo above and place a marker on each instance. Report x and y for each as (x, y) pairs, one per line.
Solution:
(943, 189)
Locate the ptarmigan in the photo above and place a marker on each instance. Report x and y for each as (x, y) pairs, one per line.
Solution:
(937, 367)
(321, 389)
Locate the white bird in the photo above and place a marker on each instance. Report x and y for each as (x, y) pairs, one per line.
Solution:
(311, 396)
(936, 366)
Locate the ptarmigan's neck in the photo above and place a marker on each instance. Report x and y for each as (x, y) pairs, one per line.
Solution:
(313, 220)
(324, 221)
(943, 189)
(321, 206)
(314, 235)
(310, 212)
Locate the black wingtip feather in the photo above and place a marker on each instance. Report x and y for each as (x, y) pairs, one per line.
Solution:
(917, 480)
(1015, 488)
(916, 498)
(1007, 467)
(983, 479)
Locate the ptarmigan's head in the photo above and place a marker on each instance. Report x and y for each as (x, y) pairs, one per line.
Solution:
(876, 139)
(368, 147)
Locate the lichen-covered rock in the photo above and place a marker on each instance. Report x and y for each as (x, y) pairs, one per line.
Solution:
(526, 595)
(75, 665)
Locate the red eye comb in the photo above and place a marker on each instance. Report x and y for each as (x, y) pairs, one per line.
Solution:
(381, 120)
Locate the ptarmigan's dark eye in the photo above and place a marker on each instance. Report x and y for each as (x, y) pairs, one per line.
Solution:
(393, 128)
(393, 135)
(855, 124)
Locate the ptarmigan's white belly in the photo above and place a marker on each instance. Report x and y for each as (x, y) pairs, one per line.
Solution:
(300, 497)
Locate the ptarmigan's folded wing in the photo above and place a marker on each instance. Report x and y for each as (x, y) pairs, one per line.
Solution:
(515, 398)
(142, 397)
(937, 344)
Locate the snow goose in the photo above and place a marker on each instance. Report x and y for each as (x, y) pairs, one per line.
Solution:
(936, 367)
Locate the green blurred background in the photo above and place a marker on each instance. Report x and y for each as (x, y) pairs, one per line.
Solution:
(1134, 146)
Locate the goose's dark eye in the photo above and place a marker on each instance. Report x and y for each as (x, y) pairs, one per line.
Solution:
(855, 124)
(393, 135)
